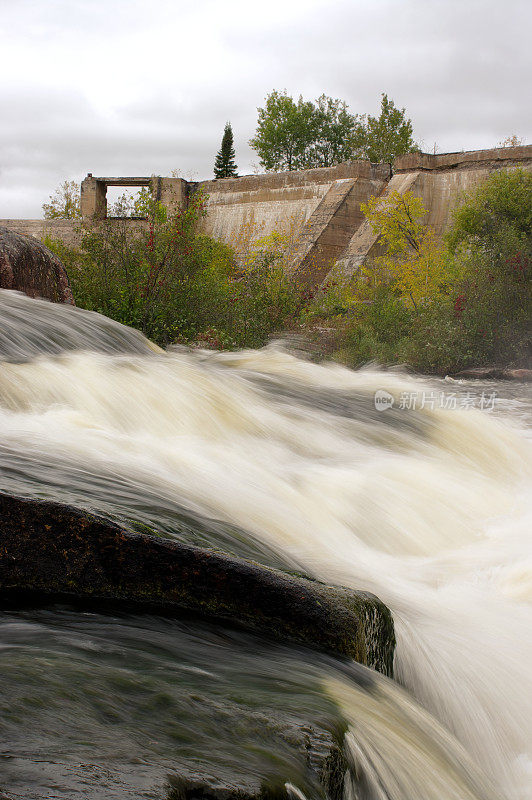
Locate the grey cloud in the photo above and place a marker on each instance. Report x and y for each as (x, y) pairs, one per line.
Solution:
(460, 69)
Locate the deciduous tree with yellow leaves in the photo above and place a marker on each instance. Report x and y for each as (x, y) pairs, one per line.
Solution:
(414, 264)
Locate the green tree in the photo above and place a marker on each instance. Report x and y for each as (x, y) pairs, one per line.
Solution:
(147, 276)
(339, 135)
(389, 135)
(414, 265)
(224, 164)
(302, 135)
(496, 215)
(64, 203)
(443, 309)
(491, 236)
(286, 132)
(177, 285)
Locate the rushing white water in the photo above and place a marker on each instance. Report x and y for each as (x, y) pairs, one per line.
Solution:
(429, 507)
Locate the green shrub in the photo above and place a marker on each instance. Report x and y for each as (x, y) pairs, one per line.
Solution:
(496, 212)
(377, 329)
(176, 285)
(491, 236)
(472, 308)
(480, 315)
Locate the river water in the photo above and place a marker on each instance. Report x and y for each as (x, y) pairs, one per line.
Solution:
(415, 489)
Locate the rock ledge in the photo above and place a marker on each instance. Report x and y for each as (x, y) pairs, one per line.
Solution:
(55, 551)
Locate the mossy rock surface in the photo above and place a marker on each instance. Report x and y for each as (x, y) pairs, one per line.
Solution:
(53, 550)
(28, 266)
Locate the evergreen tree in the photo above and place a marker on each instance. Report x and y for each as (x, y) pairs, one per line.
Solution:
(224, 165)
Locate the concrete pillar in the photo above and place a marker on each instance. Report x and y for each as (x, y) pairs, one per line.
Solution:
(93, 201)
(171, 192)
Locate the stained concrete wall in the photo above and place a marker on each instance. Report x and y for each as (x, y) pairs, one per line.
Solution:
(171, 192)
(443, 179)
(64, 229)
(240, 209)
(320, 208)
(440, 181)
(364, 241)
(68, 231)
(326, 234)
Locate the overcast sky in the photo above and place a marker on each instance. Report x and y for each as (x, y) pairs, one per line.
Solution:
(130, 87)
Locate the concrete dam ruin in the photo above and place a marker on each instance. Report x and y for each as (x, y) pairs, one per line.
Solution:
(319, 209)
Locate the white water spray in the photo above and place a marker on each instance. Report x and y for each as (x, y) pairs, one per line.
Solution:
(429, 509)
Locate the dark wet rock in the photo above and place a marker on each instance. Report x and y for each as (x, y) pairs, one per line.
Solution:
(119, 706)
(496, 374)
(319, 750)
(481, 373)
(28, 266)
(319, 763)
(61, 552)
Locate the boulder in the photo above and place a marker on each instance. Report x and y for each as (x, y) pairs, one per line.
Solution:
(55, 551)
(28, 266)
(317, 750)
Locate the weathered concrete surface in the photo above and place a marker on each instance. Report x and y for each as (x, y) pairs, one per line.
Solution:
(66, 230)
(241, 209)
(326, 234)
(465, 159)
(319, 209)
(26, 265)
(442, 189)
(58, 551)
(171, 192)
(363, 244)
(440, 181)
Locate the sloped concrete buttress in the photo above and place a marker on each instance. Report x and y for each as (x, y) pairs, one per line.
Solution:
(364, 242)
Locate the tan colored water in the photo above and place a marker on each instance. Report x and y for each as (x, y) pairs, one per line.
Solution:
(429, 508)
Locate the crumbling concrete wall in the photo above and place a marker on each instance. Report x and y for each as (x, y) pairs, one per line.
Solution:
(318, 208)
(241, 209)
(93, 200)
(326, 234)
(443, 179)
(64, 229)
(171, 192)
(440, 181)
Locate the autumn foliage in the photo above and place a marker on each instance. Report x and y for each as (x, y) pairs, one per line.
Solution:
(444, 306)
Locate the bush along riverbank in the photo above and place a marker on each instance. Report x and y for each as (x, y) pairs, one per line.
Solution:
(438, 307)
(444, 307)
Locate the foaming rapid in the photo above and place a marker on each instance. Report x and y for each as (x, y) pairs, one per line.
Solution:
(27, 331)
(271, 456)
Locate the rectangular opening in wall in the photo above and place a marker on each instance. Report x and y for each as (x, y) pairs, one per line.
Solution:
(125, 201)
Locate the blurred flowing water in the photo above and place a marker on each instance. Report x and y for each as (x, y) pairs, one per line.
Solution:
(426, 503)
